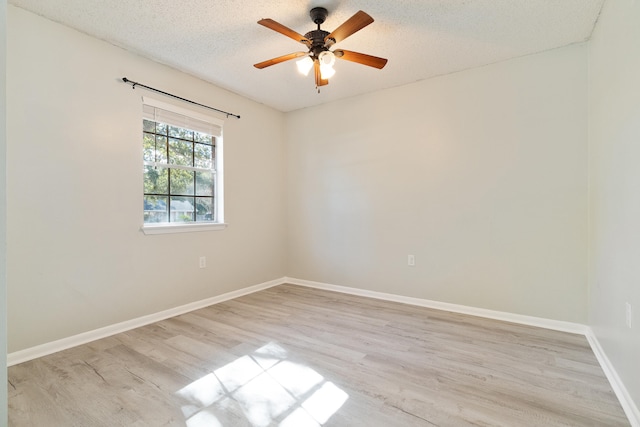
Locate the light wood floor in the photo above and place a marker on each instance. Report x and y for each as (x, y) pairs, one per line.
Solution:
(293, 356)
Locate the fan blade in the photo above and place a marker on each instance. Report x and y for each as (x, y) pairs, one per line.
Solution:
(319, 80)
(361, 58)
(279, 59)
(275, 26)
(350, 26)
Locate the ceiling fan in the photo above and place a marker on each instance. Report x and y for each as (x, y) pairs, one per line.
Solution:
(319, 57)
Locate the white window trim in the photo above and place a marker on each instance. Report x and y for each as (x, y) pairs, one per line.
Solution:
(170, 228)
(181, 110)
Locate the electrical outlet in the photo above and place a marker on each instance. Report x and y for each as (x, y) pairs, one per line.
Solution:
(411, 260)
(203, 261)
(629, 315)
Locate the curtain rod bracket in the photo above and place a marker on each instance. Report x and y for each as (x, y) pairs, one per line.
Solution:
(134, 84)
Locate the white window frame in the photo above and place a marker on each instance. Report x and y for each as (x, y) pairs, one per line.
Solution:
(218, 191)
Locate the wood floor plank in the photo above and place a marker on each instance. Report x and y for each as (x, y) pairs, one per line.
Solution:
(295, 356)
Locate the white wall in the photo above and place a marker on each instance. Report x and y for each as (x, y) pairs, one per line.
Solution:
(482, 175)
(614, 180)
(76, 258)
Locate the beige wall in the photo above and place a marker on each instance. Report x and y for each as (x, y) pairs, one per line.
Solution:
(76, 259)
(614, 181)
(3, 221)
(482, 175)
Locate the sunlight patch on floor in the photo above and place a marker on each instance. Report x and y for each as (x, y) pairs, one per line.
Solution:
(204, 418)
(324, 402)
(265, 388)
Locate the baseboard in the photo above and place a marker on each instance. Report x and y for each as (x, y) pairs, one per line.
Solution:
(630, 408)
(85, 337)
(557, 325)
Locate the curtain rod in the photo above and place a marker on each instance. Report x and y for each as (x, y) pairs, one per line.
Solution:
(134, 84)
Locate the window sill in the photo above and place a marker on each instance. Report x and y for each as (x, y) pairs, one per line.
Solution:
(181, 228)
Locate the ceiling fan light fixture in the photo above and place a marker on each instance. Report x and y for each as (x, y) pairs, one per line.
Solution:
(326, 71)
(305, 65)
(326, 60)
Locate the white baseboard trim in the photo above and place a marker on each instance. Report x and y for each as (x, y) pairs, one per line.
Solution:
(630, 408)
(557, 325)
(85, 337)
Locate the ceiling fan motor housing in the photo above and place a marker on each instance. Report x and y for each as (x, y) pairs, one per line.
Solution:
(317, 41)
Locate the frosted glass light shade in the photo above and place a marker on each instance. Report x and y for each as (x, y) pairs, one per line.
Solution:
(326, 72)
(326, 59)
(305, 65)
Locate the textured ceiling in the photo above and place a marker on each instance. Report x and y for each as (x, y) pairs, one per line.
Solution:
(219, 40)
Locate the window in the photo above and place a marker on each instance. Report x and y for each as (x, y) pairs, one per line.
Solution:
(182, 156)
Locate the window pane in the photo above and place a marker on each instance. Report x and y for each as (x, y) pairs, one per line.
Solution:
(182, 182)
(181, 133)
(203, 137)
(203, 156)
(149, 147)
(182, 209)
(148, 125)
(204, 209)
(180, 152)
(161, 149)
(161, 128)
(155, 180)
(204, 184)
(155, 209)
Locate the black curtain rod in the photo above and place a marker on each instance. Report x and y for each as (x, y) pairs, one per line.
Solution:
(134, 84)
